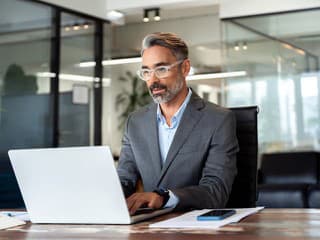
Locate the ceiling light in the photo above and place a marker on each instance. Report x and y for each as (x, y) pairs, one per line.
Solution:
(76, 78)
(87, 64)
(216, 75)
(244, 46)
(86, 25)
(80, 78)
(110, 62)
(75, 26)
(286, 45)
(121, 61)
(201, 48)
(146, 15)
(291, 47)
(157, 18)
(157, 14)
(300, 51)
(116, 17)
(46, 74)
(236, 47)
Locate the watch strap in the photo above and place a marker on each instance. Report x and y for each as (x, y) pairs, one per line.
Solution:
(163, 193)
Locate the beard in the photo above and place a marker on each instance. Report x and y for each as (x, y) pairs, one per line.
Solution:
(168, 94)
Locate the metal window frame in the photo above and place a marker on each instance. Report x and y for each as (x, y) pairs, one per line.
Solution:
(55, 51)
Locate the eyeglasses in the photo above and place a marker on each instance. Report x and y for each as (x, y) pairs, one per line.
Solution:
(160, 72)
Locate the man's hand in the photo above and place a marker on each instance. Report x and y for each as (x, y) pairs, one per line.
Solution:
(150, 199)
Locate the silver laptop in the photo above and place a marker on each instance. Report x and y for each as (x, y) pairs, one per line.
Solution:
(77, 185)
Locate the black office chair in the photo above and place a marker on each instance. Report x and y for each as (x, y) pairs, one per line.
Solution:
(289, 179)
(244, 188)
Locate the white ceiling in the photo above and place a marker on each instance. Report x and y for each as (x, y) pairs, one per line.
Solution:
(131, 6)
(173, 12)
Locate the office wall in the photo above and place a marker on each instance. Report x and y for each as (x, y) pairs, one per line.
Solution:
(231, 8)
(195, 30)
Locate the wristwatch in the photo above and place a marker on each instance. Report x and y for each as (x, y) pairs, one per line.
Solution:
(163, 193)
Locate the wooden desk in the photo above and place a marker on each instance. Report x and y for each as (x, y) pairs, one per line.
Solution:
(270, 224)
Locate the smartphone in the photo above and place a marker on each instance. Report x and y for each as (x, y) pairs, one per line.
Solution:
(216, 215)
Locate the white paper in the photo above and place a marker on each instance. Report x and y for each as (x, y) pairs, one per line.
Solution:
(22, 215)
(189, 220)
(7, 222)
(80, 94)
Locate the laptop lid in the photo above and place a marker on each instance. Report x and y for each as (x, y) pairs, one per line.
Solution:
(70, 185)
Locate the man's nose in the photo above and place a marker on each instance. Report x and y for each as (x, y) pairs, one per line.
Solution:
(153, 78)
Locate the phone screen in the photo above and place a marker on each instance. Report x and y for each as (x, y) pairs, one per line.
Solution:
(216, 215)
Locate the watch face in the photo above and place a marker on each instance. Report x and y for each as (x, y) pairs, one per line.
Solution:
(163, 193)
(163, 190)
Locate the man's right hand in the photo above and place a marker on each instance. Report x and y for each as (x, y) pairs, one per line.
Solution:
(137, 200)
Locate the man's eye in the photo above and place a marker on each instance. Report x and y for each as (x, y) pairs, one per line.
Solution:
(161, 70)
(145, 73)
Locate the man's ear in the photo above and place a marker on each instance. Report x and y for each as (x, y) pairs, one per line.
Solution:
(186, 67)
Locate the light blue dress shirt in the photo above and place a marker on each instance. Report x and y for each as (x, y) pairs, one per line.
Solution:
(166, 135)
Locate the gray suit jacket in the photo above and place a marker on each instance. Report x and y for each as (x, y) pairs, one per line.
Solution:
(201, 163)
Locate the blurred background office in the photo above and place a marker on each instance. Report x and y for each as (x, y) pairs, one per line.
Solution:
(67, 68)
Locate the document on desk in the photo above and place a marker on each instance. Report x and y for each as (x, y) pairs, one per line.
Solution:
(189, 220)
(22, 215)
(8, 222)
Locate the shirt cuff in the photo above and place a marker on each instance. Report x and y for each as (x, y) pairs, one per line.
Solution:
(173, 201)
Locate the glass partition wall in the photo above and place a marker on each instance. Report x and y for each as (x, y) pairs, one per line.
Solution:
(280, 55)
(76, 102)
(47, 99)
(25, 102)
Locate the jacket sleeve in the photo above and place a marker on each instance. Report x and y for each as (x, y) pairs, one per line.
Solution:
(218, 171)
(127, 168)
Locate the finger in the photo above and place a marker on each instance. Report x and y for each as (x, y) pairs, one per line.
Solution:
(131, 200)
(137, 204)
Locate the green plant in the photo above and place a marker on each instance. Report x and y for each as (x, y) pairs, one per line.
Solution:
(131, 100)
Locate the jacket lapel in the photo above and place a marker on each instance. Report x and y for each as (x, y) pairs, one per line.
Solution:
(153, 139)
(188, 121)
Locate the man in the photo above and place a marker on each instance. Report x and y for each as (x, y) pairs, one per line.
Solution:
(181, 147)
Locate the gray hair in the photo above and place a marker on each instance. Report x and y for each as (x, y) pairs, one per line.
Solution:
(168, 40)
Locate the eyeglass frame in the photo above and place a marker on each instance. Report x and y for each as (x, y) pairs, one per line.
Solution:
(167, 67)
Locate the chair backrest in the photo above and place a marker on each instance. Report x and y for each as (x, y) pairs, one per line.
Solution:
(244, 188)
(290, 168)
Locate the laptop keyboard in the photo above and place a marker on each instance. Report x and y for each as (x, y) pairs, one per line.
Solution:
(143, 211)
